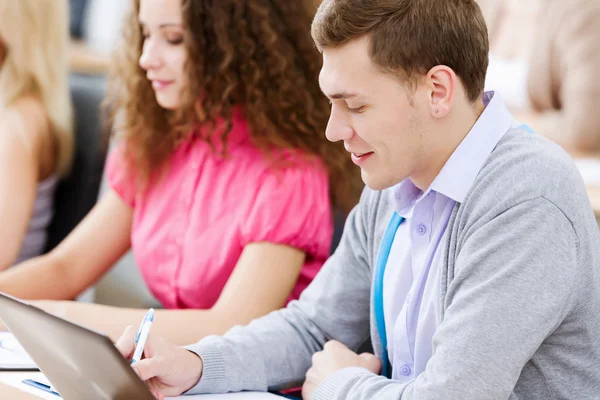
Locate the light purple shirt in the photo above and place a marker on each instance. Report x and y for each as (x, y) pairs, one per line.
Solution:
(411, 295)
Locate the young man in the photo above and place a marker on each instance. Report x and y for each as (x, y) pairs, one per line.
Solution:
(472, 260)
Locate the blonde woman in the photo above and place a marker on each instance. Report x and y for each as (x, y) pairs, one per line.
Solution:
(35, 121)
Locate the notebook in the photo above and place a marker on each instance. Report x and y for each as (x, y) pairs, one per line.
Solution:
(13, 356)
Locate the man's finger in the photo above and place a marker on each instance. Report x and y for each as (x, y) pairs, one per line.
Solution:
(307, 391)
(147, 368)
(371, 362)
(333, 345)
(157, 395)
(126, 343)
(155, 389)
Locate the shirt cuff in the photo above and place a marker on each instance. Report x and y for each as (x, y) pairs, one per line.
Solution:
(329, 388)
(213, 367)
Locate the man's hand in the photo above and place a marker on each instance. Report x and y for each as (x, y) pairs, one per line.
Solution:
(168, 370)
(335, 356)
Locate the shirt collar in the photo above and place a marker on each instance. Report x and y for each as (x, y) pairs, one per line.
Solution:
(403, 198)
(458, 174)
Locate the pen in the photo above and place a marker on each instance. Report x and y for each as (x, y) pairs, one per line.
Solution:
(41, 386)
(142, 336)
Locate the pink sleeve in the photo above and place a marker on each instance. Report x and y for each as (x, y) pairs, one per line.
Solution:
(292, 207)
(120, 181)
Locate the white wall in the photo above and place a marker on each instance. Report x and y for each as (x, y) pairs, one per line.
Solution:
(102, 25)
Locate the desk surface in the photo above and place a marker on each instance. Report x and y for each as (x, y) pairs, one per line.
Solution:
(9, 392)
(594, 195)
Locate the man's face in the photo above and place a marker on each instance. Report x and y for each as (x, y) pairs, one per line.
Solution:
(374, 114)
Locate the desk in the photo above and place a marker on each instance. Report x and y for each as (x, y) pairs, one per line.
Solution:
(594, 195)
(9, 392)
(592, 187)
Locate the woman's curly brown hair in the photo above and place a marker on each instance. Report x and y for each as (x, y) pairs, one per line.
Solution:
(254, 53)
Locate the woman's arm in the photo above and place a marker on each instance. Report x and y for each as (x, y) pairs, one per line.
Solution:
(81, 259)
(262, 281)
(18, 183)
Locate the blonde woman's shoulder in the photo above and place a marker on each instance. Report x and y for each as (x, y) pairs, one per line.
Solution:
(26, 123)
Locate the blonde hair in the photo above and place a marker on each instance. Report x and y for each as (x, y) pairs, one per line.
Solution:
(35, 36)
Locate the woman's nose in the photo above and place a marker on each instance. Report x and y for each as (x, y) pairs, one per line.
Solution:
(150, 58)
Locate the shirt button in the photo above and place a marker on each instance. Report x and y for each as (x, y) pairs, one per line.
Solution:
(405, 370)
(421, 229)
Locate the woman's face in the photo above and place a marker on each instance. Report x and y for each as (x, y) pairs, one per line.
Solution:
(164, 54)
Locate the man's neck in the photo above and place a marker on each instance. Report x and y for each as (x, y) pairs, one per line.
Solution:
(443, 141)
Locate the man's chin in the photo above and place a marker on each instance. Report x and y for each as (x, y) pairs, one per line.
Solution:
(377, 182)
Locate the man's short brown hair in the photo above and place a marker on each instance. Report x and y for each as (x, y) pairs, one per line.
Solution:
(409, 37)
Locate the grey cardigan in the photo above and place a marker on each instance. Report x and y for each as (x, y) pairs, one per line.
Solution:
(520, 297)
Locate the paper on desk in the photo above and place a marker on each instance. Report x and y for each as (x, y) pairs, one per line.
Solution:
(15, 379)
(590, 170)
(231, 396)
(12, 355)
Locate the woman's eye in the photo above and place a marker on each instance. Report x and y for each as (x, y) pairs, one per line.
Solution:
(356, 110)
(175, 40)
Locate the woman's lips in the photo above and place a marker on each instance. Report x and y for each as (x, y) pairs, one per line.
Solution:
(160, 85)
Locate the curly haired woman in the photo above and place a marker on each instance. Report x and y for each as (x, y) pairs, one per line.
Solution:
(222, 181)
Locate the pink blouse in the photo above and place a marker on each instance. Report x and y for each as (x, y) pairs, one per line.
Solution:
(190, 227)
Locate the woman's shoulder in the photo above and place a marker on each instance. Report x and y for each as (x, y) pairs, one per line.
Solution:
(290, 168)
(289, 203)
(26, 121)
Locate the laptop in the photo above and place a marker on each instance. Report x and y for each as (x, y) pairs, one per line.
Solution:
(80, 363)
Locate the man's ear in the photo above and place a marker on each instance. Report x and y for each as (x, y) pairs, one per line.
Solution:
(442, 82)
